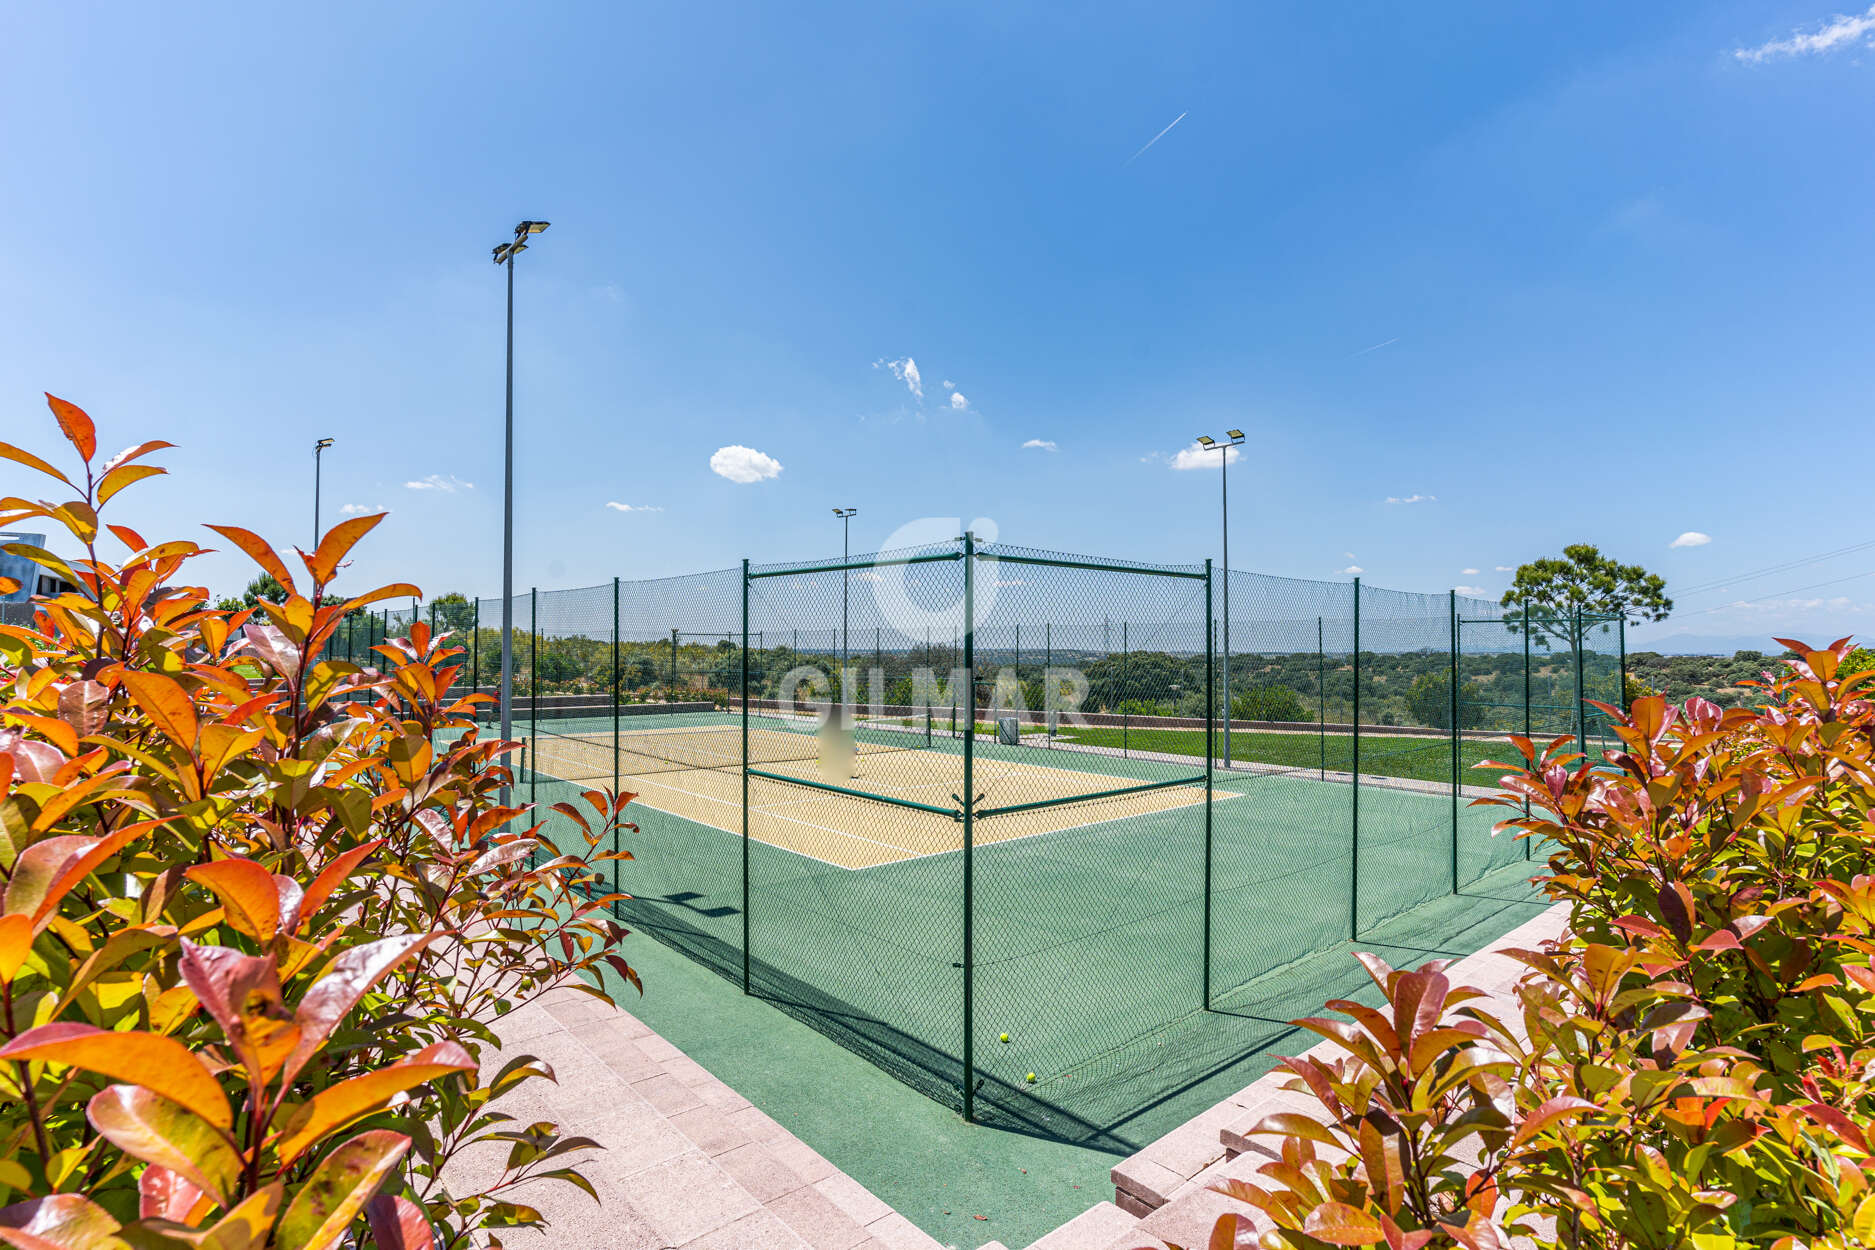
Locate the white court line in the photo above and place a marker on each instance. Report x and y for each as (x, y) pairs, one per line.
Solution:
(906, 852)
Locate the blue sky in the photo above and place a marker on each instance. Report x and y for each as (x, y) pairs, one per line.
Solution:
(1588, 272)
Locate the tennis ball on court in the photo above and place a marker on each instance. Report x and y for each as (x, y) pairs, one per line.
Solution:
(1004, 1038)
(1030, 1078)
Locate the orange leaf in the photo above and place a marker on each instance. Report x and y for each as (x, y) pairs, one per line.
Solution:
(21, 456)
(135, 453)
(166, 703)
(332, 1109)
(159, 1064)
(248, 893)
(338, 541)
(259, 552)
(1342, 1225)
(57, 1222)
(129, 537)
(340, 867)
(123, 476)
(75, 425)
(16, 942)
(338, 1189)
(152, 1128)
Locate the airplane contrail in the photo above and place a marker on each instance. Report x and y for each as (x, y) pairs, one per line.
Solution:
(1376, 347)
(1175, 121)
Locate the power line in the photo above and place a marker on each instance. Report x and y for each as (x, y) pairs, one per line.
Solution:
(1706, 587)
(1793, 590)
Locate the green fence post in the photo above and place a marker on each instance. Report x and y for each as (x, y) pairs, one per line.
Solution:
(969, 822)
(533, 689)
(1581, 726)
(1321, 696)
(1527, 852)
(672, 696)
(745, 775)
(1456, 738)
(475, 652)
(616, 692)
(1210, 732)
(1048, 681)
(1621, 640)
(1354, 794)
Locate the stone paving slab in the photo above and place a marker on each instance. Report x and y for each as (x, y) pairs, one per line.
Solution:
(687, 1163)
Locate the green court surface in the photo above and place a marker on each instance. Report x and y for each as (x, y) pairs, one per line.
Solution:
(1090, 939)
(941, 1172)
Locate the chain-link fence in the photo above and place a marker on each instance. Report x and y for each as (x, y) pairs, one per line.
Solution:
(978, 812)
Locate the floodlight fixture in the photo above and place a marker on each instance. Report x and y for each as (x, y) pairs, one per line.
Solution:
(1236, 436)
(1207, 440)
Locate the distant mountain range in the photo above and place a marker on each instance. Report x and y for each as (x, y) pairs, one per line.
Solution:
(1712, 644)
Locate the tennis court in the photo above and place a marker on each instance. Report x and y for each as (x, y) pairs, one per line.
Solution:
(693, 771)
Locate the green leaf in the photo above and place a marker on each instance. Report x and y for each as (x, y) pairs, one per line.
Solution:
(149, 1127)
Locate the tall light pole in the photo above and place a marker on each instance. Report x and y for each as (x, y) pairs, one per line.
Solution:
(1211, 444)
(504, 255)
(318, 449)
(846, 516)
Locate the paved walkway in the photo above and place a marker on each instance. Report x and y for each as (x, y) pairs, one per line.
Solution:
(688, 1164)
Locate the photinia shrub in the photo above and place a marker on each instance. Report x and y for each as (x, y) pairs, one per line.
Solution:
(1690, 1067)
(260, 908)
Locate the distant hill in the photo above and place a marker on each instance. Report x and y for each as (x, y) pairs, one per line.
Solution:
(1710, 644)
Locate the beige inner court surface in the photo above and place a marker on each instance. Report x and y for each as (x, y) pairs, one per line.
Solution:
(840, 829)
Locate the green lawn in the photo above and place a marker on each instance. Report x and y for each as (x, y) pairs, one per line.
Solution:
(1422, 759)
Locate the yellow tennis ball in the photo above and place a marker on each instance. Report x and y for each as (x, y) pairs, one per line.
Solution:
(1030, 1078)
(1003, 1038)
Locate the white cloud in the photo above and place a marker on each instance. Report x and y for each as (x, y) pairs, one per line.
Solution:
(1353, 570)
(1040, 444)
(361, 509)
(631, 507)
(1415, 498)
(1691, 538)
(905, 369)
(958, 401)
(444, 482)
(1473, 592)
(743, 464)
(1839, 31)
(1198, 456)
(949, 385)
(1505, 568)
(1468, 572)
(1348, 554)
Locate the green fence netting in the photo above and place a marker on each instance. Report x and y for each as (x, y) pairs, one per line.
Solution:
(932, 799)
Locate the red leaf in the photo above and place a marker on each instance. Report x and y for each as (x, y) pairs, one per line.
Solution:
(338, 991)
(165, 1195)
(75, 425)
(57, 1222)
(1839, 1124)
(398, 1223)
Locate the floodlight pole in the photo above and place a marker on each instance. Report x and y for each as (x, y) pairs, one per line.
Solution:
(504, 255)
(318, 449)
(1235, 437)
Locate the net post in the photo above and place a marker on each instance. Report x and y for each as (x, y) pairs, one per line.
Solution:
(533, 686)
(617, 690)
(1452, 601)
(969, 823)
(1354, 796)
(745, 774)
(1210, 758)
